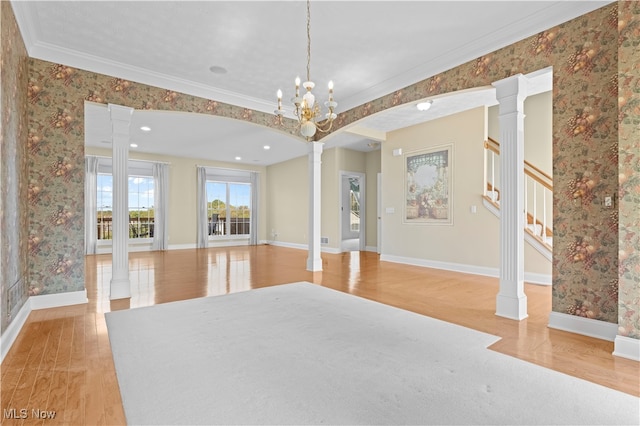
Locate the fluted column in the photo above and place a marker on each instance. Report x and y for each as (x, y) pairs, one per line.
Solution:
(120, 122)
(511, 301)
(314, 261)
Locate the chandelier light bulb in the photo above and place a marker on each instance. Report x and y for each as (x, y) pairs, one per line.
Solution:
(309, 99)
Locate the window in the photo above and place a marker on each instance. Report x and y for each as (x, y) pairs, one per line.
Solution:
(229, 208)
(141, 205)
(141, 212)
(104, 204)
(354, 201)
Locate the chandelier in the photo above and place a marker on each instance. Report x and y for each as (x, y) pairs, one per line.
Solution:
(307, 110)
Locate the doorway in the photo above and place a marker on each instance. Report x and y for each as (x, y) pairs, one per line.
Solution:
(352, 211)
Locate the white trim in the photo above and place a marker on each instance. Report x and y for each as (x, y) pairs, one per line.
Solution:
(626, 347)
(585, 326)
(362, 181)
(229, 243)
(529, 277)
(447, 266)
(535, 278)
(45, 301)
(182, 246)
(330, 250)
(11, 333)
(33, 303)
(371, 248)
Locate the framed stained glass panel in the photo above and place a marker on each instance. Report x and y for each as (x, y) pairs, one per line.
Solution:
(429, 186)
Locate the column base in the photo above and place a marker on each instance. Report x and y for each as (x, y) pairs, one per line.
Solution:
(120, 289)
(314, 265)
(511, 307)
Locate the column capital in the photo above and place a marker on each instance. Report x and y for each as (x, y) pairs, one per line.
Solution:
(511, 93)
(119, 112)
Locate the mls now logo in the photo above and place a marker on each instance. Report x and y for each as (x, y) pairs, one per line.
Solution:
(23, 413)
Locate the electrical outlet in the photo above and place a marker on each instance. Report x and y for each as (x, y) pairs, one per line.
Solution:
(607, 201)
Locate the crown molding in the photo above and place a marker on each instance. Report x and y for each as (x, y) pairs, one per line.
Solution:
(557, 13)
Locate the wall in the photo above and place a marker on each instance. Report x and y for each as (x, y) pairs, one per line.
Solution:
(56, 95)
(373, 167)
(628, 172)
(457, 244)
(538, 130)
(288, 201)
(285, 191)
(13, 168)
(584, 55)
(348, 161)
(182, 193)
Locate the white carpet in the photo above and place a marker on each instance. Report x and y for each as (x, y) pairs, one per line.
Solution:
(303, 354)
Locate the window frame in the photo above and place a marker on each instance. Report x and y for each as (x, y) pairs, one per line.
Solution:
(143, 169)
(229, 177)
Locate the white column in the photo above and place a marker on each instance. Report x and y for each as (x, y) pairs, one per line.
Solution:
(314, 261)
(511, 301)
(120, 122)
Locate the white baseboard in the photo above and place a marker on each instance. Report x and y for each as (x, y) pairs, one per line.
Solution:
(181, 246)
(535, 278)
(585, 326)
(529, 277)
(13, 329)
(626, 347)
(330, 250)
(45, 301)
(289, 245)
(33, 303)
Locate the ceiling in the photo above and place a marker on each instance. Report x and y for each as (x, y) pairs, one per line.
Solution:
(368, 48)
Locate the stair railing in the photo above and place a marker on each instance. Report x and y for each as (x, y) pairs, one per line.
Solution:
(538, 190)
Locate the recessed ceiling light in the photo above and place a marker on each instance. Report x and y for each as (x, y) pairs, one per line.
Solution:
(217, 69)
(145, 128)
(133, 145)
(423, 106)
(238, 158)
(266, 147)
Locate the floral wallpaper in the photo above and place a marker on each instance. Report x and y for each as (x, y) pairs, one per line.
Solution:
(584, 55)
(629, 169)
(13, 171)
(56, 95)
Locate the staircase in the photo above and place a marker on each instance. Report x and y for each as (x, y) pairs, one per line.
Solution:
(538, 199)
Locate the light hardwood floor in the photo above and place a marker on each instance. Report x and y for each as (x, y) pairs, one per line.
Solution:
(62, 362)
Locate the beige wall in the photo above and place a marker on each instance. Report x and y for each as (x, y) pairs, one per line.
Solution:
(373, 167)
(288, 201)
(473, 239)
(182, 193)
(538, 126)
(288, 185)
